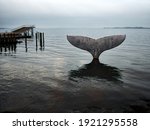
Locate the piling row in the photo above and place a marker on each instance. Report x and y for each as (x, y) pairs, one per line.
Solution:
(9, 37)
(8, 47)
(40, 39)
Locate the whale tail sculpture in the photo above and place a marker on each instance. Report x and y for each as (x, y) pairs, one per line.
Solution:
(96, 46)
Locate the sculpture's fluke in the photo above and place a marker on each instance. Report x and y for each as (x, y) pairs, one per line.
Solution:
(96, 46)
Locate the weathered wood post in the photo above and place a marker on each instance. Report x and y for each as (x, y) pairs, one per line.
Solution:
(4, 38)
(26, 41)
(15, 46)
(9, 37)
(13, 37)
(36, 36)
(5, 47)
(43, 40)
(25, 35)
(11, 47)
(39, 40)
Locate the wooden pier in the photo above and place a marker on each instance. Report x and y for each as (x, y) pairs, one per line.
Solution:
(9, 40)
(17, 33)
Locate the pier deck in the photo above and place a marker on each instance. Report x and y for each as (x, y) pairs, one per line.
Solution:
(23, 29)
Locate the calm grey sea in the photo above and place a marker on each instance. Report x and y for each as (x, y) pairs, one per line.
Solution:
(62, 78)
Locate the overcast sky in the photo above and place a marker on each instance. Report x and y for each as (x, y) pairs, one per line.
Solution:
(75, 13)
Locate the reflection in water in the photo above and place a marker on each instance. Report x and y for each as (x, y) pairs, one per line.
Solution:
(11, 47)
(97, 70)
(8, 47)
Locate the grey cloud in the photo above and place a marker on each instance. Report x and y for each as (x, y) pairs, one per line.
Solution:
(93, 13)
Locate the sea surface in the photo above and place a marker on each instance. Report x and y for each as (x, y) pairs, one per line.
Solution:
(62, 78)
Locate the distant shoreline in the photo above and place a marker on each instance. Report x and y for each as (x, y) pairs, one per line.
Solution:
(126, 27)
(2, 28)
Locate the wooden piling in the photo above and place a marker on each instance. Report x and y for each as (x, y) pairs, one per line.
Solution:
(43, 40)
(39, 39)
(36, 37)
(25, 40)
(4, 37)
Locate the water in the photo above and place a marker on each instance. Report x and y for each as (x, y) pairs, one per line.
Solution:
(62, 78)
